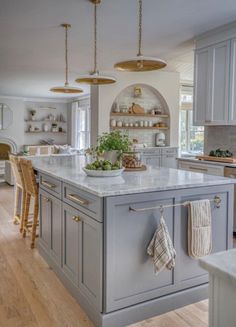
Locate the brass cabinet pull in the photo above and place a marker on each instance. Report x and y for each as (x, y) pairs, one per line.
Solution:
(198, 168)
(47, 184)
(76, 198)
(76, 218)
(47, 199)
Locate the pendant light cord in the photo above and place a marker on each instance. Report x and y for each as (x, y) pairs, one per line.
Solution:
(140, 27)
(95, 40)
(66, 55)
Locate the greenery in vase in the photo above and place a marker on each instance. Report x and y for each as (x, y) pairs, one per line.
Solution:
(114, 141)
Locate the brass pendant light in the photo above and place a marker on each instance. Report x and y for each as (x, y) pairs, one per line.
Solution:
(140, 63)
(95, 78)
(66, 88)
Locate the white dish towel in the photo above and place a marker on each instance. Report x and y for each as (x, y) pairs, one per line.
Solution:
(161, 248)
(199, 228)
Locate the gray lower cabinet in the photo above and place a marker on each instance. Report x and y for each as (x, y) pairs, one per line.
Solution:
(50, 225)
(82, 253)
(130, 277)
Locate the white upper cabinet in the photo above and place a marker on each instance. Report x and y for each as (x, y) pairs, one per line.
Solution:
(219, 83)
(215, 77)
(232, 99)
(212, 75)
(201, 87)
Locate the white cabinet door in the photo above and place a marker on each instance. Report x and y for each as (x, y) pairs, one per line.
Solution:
(154, 161)
(169, 161)
(201, 86)
(232, 99)
(219, 83)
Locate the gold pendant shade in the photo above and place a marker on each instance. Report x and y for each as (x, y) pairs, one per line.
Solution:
(95, 78)
(67, 89)
(140, 63)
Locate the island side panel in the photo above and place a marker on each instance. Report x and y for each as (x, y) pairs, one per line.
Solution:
(129, 271)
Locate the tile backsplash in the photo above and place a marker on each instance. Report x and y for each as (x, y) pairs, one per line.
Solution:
(223, 137)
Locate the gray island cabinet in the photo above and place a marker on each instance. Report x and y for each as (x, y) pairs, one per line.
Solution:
(94, 237)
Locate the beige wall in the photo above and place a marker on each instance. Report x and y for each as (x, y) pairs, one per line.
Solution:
(167, 83)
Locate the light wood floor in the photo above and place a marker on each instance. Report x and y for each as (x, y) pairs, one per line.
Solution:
(31, 295)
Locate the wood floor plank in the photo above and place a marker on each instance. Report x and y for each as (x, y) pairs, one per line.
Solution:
(32, 296)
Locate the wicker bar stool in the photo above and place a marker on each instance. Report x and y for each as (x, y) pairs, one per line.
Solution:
(20, 193)
(31, 189)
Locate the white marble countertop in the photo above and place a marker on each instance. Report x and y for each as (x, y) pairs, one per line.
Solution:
(69, 169)
(215, 163)
(222, 264)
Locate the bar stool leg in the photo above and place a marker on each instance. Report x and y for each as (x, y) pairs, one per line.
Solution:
(35, 221)
(23, 211)
(26, 213)
(16, 206)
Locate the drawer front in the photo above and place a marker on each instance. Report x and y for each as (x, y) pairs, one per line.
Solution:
(153, 152)
(202, 168)
(169, 151)
(86, 202)
(51, 185)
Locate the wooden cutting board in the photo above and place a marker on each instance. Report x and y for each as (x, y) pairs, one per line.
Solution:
(231, 160)
(137, 109)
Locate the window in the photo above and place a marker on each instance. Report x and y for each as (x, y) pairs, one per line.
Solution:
(81, 121)
(191, 137)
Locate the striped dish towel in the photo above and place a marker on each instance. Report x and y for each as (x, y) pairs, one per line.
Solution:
(161, 249)
(199, 228)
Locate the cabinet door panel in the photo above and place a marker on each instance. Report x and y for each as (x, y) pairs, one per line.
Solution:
(201, 89)
(45, 219)
(192, 272)
(169, 161)
(130, 274)
(90, 260)
(232, 106)
(219, 104)
(56, 230)
(154, 161)
(70, 255)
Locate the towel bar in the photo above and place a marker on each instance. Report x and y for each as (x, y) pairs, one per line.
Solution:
(216, 200)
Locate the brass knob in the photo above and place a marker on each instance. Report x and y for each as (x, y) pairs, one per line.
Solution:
(76, 218)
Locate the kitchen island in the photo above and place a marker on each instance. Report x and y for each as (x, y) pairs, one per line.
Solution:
(94, 236)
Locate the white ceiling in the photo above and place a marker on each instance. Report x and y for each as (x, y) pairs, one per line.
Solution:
(31, 41)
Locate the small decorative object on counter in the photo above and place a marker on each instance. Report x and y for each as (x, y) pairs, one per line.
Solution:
(60, 129)
(145, 123)
(158, 111)
(150, 123)
(136, 124)
(132, 159)
(141, 123)
(153, 112)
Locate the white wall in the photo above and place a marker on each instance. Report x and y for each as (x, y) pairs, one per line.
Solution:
(167, 83)
(16, 131)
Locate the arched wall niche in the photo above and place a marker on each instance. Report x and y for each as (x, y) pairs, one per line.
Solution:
(150, 99)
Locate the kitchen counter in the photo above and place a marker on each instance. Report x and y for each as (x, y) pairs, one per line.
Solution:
(222, 264)
(69, 170)
(94, 234)
(222, 287)
(215, 163)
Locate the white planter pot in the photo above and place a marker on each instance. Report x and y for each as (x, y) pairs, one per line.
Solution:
(112, 156)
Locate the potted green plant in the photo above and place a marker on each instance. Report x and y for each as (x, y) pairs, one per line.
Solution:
(112, 145)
